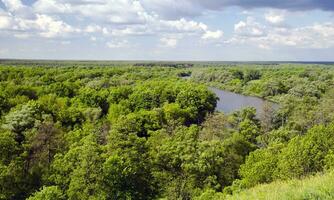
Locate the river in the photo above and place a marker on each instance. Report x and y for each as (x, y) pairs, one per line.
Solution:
(230, 101)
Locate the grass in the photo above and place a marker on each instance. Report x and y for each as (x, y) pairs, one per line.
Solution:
(316, 187)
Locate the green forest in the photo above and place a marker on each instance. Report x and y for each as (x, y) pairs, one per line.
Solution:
(127, 130)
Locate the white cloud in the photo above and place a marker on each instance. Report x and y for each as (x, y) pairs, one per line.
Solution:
(122, 17)
(181, 25)
(168, 42)
(264, 46)
(22, 23)
(5, 21)
(16, 8)
(275, 17)
(13, 5)
(169, 20)
(50, 27)
(93, 28)
(212, 35)
(52, 7)
(316, 36)
(112, 11)
(107, 18)
(249, 28)
(155, 25)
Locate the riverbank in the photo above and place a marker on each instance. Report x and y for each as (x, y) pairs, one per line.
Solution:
(230, 101)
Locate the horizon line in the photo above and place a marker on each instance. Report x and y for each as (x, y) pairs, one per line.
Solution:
(163, 60)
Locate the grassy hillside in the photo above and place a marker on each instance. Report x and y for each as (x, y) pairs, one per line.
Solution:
(317, 187)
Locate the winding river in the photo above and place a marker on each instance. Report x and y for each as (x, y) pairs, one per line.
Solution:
(230, 101)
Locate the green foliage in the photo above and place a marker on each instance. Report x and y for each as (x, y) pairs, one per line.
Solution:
(48, 193)
(117, 131)
(4, 105)
(305, 155)
(260, 166)
(127, 170)
(209, 195)
(302, 155)
(190, 165)
(252, 74)
(329, 160)
(8, 146)
(22, 117)
(78, 171)
(198, 100)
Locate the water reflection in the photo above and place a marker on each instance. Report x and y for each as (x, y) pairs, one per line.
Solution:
(230, 101)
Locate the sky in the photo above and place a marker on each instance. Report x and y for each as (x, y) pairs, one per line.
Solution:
(187, 30)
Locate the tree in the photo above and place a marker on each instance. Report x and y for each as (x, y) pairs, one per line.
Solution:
(252, 74)
(8, 147)
(140, 123)
(79, 171)
(22, 118)
(260, 166)
(173, 156)
(48, 193)
(306, 155)
(215, 127)
(174, 116)
(267, 117)
(44, 144)
(94, 98)
(198, 100)
(127, 170)
(4, 104)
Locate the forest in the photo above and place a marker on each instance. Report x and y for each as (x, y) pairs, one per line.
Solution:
(113, 131)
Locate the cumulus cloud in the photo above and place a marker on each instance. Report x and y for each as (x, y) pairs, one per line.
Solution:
(119, 18)
(42, 25)
(170, 20)
(112, 11)
(155, 25)
(20, 21)
(18, 9)
(168, 42)
(212, 35)
(249, 28)
(182, 25)
(5, 20)
(50, 27)
(275, 17)
(52, 7)
(316, 36)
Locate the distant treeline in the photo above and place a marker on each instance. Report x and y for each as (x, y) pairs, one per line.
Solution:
(176, 65)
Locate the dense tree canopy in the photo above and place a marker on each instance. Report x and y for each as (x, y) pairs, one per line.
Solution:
(147, 132)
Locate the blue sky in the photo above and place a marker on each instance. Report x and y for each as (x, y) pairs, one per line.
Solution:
(222, 30)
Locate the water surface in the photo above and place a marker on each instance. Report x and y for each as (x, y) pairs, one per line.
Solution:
(230, 101)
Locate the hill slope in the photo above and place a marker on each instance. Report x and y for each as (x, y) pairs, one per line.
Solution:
(316, 187)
